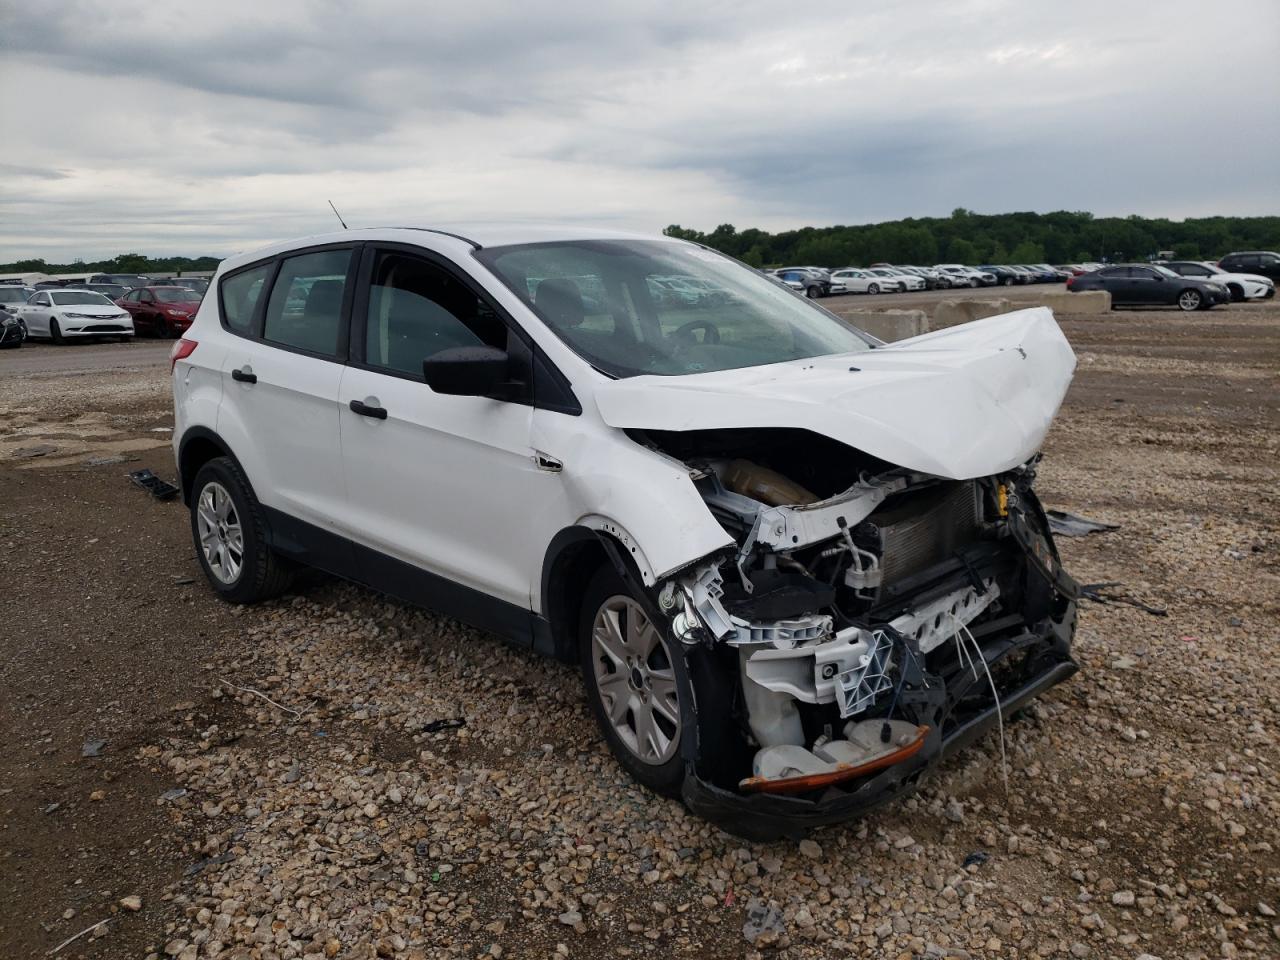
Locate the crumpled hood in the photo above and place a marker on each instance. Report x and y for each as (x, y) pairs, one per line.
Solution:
(964, 402)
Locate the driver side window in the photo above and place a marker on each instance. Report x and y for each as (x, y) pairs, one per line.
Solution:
(417, 309)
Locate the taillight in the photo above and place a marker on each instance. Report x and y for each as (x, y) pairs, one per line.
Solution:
(1071, 281)
(181, 350)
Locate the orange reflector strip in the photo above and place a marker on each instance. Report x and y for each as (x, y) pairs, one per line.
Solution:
(841, 773)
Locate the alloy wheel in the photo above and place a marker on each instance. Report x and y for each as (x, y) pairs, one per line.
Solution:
(1189, 300)
(221, 538)
(635, 680)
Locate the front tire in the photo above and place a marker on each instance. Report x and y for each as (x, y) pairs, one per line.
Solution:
(1189, 300)
(812, 293)
(634, 676)
(873, 288)
(229, 531)
(55, 332)
(1237, 292)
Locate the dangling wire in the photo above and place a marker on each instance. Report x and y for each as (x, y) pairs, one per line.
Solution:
(1004, 763)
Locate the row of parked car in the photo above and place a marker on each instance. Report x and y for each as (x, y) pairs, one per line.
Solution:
(99, 307)
(901, 278)
(1237, 276)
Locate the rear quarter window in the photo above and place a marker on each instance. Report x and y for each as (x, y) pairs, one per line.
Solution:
(239, 295)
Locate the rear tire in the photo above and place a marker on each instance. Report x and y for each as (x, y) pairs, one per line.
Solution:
(55, 332)
(230, 535)
(636, 683)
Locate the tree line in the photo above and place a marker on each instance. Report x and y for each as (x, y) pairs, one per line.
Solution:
(973, 238)
(964, 237)
(124, 263)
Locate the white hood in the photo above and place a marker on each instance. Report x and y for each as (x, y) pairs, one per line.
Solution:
(93, 309)
(964, 402)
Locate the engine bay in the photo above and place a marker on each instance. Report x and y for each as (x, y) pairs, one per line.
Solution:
(866, 608)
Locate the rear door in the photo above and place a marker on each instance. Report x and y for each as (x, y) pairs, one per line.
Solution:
(1266, 264)
(445, 484)
(280, 377)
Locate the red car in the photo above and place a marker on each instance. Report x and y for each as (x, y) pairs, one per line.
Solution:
(161, 311)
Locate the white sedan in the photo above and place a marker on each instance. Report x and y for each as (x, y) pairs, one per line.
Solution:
(62, 314)
(1242, 286)
(866, 281)
(909, 281)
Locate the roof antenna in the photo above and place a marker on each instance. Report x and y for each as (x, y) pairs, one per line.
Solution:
(338, 215)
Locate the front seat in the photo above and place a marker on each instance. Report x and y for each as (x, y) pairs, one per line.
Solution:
(560, 303)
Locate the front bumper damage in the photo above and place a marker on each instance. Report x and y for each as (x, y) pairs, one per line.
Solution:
(832, 710)
(764, 816)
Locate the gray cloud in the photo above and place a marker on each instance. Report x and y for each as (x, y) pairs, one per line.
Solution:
(171, 128)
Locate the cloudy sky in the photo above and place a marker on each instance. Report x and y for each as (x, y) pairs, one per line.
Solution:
(201, 127)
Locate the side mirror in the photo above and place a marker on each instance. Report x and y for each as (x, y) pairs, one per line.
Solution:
(466, 371)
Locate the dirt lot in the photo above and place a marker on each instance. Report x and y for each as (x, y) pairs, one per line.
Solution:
(337, 819)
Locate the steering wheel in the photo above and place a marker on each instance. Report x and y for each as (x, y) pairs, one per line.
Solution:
(684, 335)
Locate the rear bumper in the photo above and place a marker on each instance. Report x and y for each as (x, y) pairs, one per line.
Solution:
(771, 816)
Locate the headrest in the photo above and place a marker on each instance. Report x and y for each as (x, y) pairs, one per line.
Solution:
(325, 297)
(560, 301)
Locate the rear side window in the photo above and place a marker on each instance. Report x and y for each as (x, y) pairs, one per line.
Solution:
(240, 295)
(305, 309)
(417, 309)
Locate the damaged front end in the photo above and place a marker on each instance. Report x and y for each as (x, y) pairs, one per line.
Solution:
(870, 619)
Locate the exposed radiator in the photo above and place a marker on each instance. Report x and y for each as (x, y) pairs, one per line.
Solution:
(922, 530)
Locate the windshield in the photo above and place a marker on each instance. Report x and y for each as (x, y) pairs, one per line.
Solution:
(615, 304)
(81, 298)
(176, 295)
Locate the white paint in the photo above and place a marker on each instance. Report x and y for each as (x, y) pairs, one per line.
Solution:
(960, 403)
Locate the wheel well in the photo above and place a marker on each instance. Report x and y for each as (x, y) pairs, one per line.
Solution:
(564, 585)
(194, 454)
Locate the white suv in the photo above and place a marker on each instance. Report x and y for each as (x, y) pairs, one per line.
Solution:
(794, 563)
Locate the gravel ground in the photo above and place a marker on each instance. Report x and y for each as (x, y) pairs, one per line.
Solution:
(334, 775)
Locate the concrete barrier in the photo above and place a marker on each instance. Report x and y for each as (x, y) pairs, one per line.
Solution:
(1086, 301)
(948, 313)
(889, 325)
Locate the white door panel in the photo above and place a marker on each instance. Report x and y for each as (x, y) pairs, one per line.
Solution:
(284, 428)
(444, 483)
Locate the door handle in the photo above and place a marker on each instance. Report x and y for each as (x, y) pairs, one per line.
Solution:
(368, 410)
(245, 375)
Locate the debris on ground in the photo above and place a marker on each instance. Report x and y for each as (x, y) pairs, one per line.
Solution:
(1065, 524)
(764, 923)
(1106, 593)
(148, 481)
(450, 723)
(92, 748)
